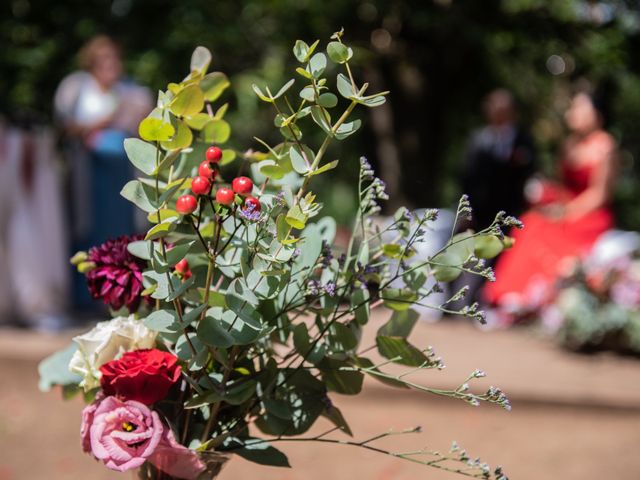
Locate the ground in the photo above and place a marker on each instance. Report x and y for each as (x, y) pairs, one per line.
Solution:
(573, 417)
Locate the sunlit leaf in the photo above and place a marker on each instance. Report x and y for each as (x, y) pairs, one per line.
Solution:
(213, 85)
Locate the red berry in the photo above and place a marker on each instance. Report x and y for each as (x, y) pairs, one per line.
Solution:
(186, 275)
(214, 154)
(201, 185)
(242, 185)
(182, 266)
(206, 170)
(186, 204)
(253, 202)
(225, 196)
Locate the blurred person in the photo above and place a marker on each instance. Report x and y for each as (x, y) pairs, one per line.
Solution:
(566, 218)
(97, 109)
(35, 280)
(500, 159)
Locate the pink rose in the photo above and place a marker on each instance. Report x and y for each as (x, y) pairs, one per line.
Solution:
(125, 434)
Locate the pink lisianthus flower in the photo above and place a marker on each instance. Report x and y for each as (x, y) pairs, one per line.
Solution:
(125, 434)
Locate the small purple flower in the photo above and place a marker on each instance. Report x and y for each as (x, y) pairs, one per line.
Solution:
(280, 198)
(117, 276)
(313, 287)
(326, 254)
(330, 289)
(250, 213)
(370, 269)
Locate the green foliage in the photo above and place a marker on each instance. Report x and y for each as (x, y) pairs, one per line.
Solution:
(54, 370)
(492, 42)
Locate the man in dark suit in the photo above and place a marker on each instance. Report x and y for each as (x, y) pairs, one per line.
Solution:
(500, 159)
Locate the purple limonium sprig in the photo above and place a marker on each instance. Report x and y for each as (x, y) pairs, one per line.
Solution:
(313, 287)
(250, 213)
(330, 289)
(326, 254)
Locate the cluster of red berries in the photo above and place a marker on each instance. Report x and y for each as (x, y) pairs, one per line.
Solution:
(202, 183)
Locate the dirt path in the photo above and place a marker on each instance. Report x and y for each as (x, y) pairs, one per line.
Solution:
(574, 417)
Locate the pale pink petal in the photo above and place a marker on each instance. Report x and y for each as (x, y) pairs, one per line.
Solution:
(133, 463)
(175, 459)
(117, 451)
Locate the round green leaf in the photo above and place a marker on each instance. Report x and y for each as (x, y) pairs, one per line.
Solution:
(141, 154)
(182, 138)
(213, 85)
(200, 59)
(187, 102)
(155, 130)
(445, 270)
(216, 131)
(328, 100)
(339, 52)
(487, 246)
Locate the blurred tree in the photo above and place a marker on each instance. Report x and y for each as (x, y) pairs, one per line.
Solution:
(439, 57)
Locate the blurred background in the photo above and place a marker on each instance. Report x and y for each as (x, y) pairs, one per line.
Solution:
(442, 60)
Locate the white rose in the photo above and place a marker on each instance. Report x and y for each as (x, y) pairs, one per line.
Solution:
(105, 342)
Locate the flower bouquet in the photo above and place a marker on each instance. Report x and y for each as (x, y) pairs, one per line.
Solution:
(597, 305)
(235, 315)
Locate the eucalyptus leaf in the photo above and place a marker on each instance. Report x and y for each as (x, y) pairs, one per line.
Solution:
(54, 370)
(317, 64)
(347, 129)
(188, 101)
(399, 350)
(182, 138)
(160, 230)
(178, 252)
(211, 331)
(320, 116)
(259, 451)
(344, 382)
(216, 131)
(200, 59)
(213, 85)
(399, 298)
(141, 154)
(137, 193)
(400, 324)
(298, 161)
(308, 93)
(339, 52)
(344, 87)
(300, 50)
(325, 168)
(162, 321)
(155, 130)
(327, 100)
(140, 249)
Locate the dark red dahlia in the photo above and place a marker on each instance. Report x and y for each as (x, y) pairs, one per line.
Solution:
(117, 276)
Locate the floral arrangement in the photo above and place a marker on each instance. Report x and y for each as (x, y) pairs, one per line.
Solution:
(597, 304)
(235, 315)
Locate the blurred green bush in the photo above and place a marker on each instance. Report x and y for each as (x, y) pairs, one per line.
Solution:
(438, 57)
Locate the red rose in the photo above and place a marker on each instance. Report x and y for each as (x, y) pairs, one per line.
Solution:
(142, 375)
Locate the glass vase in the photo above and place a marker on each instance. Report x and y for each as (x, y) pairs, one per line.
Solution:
(214, 461)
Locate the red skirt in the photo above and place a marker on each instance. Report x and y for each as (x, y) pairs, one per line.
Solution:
(533, 264)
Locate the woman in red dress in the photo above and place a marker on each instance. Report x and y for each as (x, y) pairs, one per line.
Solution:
(564, 225)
